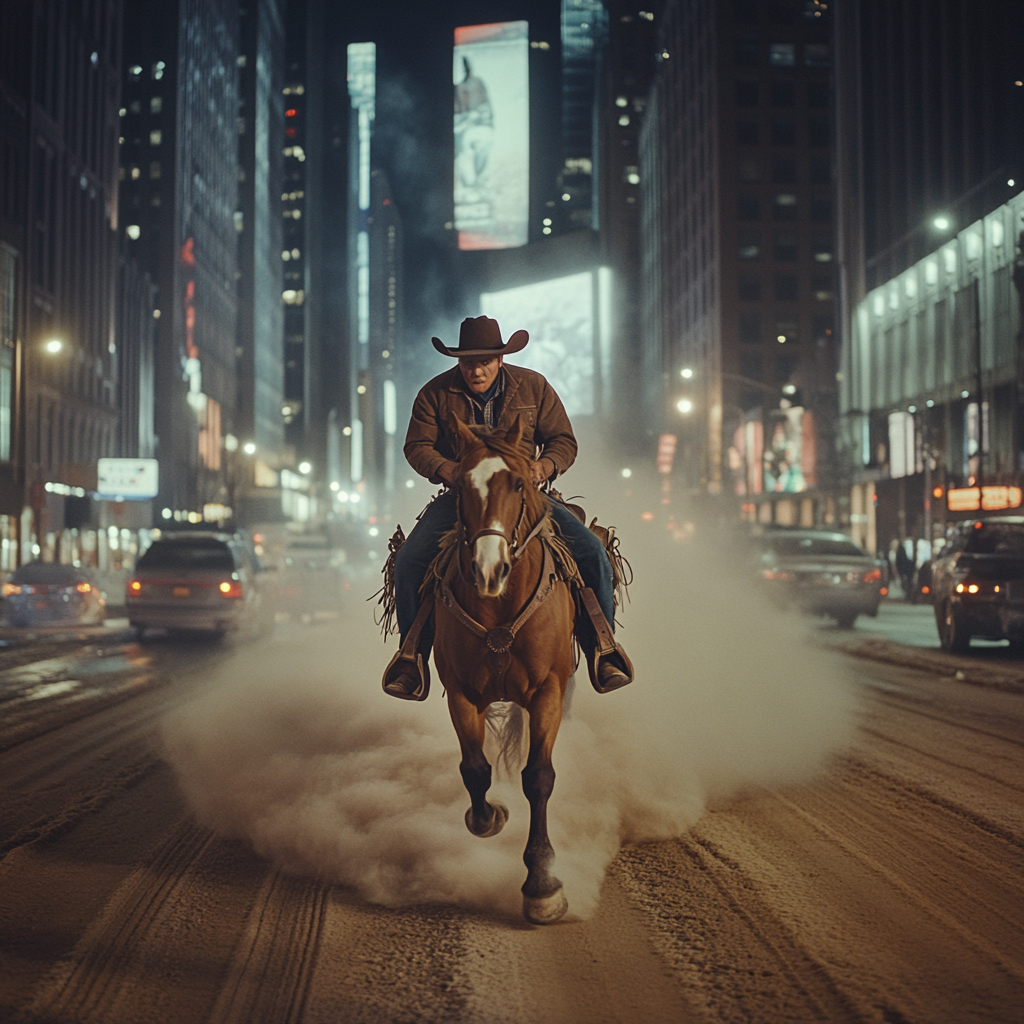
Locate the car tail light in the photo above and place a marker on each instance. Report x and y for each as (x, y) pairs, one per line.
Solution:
(928, 590)
(872, 576)
(884, 591)
(776, 574)
(10, 589)
(967, 588)
(83, 588)
(230, 588)
(134, 588)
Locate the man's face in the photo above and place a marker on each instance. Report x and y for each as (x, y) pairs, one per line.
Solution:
(480, 372)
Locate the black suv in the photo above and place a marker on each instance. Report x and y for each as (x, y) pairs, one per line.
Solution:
(978, 583)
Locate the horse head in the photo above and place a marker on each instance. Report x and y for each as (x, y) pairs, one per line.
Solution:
(496, 494)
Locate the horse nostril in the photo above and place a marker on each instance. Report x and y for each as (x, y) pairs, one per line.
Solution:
(505, 570)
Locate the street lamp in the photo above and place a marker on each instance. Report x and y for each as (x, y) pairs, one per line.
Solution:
(53, 346)
(685, 406)
(941, 222)
(686, 373)
(305, 468)
(249, 448)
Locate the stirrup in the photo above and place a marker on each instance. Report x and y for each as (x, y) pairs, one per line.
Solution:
(603, 644)
(422, 690)
(619, 659)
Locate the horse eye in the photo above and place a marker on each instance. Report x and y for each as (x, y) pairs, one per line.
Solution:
(519, 484)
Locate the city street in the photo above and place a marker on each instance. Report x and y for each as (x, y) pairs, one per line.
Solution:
(883, 887)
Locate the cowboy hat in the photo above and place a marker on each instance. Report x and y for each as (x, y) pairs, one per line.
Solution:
(481, 336)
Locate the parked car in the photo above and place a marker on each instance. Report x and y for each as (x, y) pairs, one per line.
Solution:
(978, 583)
(50, 594)
(821, 572)
(198, 580)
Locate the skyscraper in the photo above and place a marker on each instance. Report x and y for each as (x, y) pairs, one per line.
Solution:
(260, 332)
(58, 267)
(738, 302)
(179, 209)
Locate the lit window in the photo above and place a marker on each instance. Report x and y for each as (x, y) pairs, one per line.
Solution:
(133, 231)
(156, 104)
(156, 137)
(134, 172)
(154, 168)
(621, 101)
(239, 220)
(782, 55)
(286, 255)
(624, 120)
(296, 254)
(545, 231)
(633, 179)
(158, 70)
(135, 72)
(242, 60)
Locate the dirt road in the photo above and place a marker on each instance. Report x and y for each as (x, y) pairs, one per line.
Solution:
(889, 890)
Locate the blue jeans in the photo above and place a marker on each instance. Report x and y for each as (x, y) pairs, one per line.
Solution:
(423, 543)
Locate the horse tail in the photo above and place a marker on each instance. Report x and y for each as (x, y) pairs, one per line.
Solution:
(506, 724)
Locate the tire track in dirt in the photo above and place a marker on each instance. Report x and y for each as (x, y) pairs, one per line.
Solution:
(734, 955)
(272, 969)
(911, 893)
(87, 988)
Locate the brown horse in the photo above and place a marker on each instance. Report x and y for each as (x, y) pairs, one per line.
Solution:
(504, 625)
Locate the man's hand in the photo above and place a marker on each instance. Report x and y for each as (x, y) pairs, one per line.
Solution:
(445, 472)
(542, 471)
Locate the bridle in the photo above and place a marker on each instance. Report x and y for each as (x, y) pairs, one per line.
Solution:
(514, 548)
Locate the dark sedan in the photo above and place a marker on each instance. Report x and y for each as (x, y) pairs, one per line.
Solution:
(978, 583)
(821, 572)
(51, 594)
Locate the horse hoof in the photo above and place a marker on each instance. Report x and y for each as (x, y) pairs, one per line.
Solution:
(545, 909)
(498, 820)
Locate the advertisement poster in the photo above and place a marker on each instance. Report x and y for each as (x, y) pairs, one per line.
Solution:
(559, 314)
(492, 135)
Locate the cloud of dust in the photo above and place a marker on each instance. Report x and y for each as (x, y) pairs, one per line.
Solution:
(294, 747)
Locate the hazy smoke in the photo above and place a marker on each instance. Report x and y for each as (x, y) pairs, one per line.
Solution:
(296, 749)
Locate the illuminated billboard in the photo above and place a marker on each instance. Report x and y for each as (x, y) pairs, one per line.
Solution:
(566, 332)
(492, 135)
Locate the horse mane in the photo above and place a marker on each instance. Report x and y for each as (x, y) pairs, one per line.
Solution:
(516, 461)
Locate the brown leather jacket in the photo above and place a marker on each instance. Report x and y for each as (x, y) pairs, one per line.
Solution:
(431, 440)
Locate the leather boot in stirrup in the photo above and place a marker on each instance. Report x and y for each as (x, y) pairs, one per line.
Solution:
(608, 664)
(407, 678)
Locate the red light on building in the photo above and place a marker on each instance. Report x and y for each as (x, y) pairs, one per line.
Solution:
(666, 452)
(290, 112)
(290, 132)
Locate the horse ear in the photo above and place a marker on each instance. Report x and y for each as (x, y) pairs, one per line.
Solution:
(465, 435)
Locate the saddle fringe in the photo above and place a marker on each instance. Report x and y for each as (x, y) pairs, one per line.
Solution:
(622, 571)
(387, 617)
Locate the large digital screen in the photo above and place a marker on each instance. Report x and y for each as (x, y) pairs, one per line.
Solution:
(559, 314)
(492, 135)
(127, 479)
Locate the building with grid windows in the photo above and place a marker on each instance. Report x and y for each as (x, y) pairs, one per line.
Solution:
(738, 304)
(59, 369)
(179, 210)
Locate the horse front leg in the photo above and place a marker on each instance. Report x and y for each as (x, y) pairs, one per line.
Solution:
(544, 901)
(482, 819)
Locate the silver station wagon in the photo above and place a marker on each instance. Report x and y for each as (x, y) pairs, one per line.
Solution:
(211, 582)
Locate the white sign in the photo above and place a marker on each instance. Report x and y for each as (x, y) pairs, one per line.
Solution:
(127, 479)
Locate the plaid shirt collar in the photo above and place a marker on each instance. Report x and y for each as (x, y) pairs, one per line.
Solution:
(487, 411)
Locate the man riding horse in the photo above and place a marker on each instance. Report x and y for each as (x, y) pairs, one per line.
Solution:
(482, 390)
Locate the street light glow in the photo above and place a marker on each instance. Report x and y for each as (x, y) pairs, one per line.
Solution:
(305, 467)
(54, 346)
(684, 405)
(627, 473)
(942, 223)
(249, 448)
(686, 373)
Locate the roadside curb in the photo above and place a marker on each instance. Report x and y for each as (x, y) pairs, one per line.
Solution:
(1009, 677)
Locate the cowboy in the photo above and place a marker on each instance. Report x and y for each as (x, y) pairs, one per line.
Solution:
(482, 390)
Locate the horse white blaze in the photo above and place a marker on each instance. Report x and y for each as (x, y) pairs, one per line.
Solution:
(491, 553)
